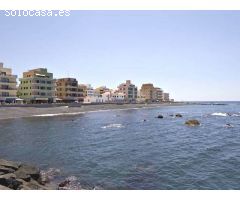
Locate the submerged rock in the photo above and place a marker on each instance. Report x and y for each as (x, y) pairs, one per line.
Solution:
(64, 183)
(192, 122)
(160, 116)
(229, 126)
(178, 115)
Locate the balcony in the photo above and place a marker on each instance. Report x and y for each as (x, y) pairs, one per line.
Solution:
(8, 76)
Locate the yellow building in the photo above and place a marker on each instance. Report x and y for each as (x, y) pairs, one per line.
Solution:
(37, 86)
(148, 92)
(68, 90)
(8, 85)
(101, 90)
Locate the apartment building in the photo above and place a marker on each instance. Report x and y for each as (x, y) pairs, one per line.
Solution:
(8, 85)
(129, 90)
(158, 94)
(89, 90)
(148, 92)
(68, 90)
(37, 86)
(166, 97)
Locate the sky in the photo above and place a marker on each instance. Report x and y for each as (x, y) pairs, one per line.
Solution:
(193, 55)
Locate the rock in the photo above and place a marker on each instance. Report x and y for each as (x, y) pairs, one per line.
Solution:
(192, 122)
(31, 185)
(48, 175)
(6, 170)
(178, 115)
(34, 172)
(64, 183)
(229, 126)
(159, 116)
(9, 164)
(9, 180)
(4, 188)
(21, 174)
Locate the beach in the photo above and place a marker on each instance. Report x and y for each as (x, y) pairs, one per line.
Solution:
(22, 112)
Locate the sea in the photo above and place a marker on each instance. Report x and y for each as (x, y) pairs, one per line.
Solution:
(132, 149)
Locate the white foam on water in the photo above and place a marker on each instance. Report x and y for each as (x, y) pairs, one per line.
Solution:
(220, 114)
(236, 115)
(58, 114)
(113, 126)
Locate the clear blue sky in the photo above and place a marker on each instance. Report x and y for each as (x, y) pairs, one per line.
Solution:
(194, 55)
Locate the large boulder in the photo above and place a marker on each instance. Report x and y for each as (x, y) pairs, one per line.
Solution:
(31, 185)
(192, 122)
(4, 188)
(6, 170)
(9, 180)
(9, 164)
(21, 174)
(32, 171)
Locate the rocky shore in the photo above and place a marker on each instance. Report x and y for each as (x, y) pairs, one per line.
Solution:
(19, 176)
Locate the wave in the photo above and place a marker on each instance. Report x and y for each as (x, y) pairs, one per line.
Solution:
(58, 114)
(49, 175)
(220, 114)
(113, 126)
(236, 115)
(225, 114)
(70, 183)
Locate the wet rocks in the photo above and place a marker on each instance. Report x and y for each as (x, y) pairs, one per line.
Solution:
(192, 122)
(4, 188)
(9, 180)
(178, 115)
(5, 170)
(160, 116)
(48, 176)
(28, 170)
(64, 184)
(9, 164)
(17, 176)
(229, 125)
(20, 174)
(71, 183)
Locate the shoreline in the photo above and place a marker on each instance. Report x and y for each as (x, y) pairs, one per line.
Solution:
(27, 112)
(21, 176)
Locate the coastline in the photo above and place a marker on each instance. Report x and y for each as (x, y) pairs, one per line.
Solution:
(25, 112)
(21, 176)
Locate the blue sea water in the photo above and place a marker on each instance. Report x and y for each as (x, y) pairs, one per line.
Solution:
(119, 150)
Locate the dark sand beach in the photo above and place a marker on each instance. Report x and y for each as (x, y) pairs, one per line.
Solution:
(20, 112)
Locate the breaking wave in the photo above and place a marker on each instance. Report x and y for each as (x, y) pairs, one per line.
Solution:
(49, 175)
(58, 114)
(220, 114)
(113, 126)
